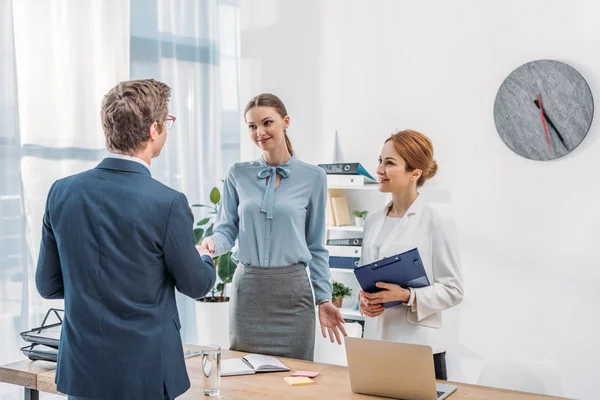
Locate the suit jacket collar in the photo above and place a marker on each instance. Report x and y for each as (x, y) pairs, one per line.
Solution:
(117, 164)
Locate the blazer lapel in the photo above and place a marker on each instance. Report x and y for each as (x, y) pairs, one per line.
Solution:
(375, 225)
(396, 234)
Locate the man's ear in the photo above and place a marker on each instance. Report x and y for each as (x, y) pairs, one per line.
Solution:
(153, 132)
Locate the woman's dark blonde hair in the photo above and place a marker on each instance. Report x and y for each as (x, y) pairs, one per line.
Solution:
(270, 100)
(417, 151)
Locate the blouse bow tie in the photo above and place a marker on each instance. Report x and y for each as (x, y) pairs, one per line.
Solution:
(269, 196)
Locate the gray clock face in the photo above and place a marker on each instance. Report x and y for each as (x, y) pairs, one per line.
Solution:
(543, 110)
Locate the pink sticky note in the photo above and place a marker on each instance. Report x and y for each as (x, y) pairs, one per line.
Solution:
(309, 374)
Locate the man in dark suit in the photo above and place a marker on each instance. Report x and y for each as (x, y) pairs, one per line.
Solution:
(115, 245)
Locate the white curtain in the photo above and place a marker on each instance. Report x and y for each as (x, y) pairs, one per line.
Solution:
(191, 45)
(58, 58)
(15, 261)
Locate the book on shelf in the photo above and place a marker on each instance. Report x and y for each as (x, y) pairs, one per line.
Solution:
(331, 193)
(341, 210)
(251, 364)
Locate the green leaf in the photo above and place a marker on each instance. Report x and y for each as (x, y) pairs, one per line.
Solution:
(209, 231)
(215, 196)
(198, 234)
(203, 222)
(340, 290)
(220, 286)
(226, 267)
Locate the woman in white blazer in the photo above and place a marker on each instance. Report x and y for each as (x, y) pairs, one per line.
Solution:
(405, 164)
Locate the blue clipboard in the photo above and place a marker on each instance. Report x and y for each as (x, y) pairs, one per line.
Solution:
(405, 269)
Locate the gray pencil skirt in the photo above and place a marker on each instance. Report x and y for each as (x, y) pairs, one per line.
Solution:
(272, 311)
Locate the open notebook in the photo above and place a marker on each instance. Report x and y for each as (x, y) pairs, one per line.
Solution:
(251, 364)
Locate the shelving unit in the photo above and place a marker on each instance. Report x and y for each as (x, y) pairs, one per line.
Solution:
(355, 315)
(346, 228)
(371, 186)
(364, 197)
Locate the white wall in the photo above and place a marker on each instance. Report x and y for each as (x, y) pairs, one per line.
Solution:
(529, 230)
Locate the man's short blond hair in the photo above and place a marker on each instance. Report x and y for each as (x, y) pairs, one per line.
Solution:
(128, 111)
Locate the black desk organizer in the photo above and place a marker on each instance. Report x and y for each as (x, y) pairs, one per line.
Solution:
(44, 339)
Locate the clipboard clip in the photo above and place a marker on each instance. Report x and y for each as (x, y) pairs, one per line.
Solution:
(387, 261)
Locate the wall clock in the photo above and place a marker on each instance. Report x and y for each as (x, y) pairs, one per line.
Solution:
(543, 110)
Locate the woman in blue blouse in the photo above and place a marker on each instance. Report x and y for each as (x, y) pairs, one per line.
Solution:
(275, 207)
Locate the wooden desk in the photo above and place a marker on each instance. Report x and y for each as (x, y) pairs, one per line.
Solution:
(333, 383)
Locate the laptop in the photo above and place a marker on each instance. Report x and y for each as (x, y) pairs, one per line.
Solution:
(392, 369)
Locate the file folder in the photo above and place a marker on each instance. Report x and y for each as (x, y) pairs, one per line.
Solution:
(346, 169)
(405, 269)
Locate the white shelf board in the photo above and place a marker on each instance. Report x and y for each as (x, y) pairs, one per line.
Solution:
(349, 228)
(372, 186)
(343, 270)
(349, 313)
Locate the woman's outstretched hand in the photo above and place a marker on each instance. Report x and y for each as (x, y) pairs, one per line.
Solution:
(332, 322)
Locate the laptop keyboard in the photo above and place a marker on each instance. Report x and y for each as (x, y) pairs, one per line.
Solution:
(440, 394)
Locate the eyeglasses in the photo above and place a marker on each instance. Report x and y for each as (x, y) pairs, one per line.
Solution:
(170, 121)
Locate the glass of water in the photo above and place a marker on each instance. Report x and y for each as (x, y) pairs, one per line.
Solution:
(211, 369)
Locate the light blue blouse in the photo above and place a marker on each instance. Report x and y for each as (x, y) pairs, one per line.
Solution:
(276, 228)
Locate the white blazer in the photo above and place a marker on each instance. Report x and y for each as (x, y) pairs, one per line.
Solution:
(434, 235)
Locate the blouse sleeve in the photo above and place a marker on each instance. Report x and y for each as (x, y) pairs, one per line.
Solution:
(315, 239)
(226, 224)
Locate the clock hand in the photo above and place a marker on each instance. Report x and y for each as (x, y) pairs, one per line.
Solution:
(538, 104)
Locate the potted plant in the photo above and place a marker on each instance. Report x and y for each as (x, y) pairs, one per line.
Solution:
(212, 311)
(224, 265)
(340, 292)
(359, 217)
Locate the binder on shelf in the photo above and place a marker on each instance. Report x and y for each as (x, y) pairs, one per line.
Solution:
(343, 262)
(345, 242)
(405, 269)
(349, 180)
(344, 251)
(345, 169)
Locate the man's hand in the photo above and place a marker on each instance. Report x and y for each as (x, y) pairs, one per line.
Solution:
(331, 321)
(208, 245)
(203, 251)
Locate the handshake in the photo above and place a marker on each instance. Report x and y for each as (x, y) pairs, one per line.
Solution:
(207, 248)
